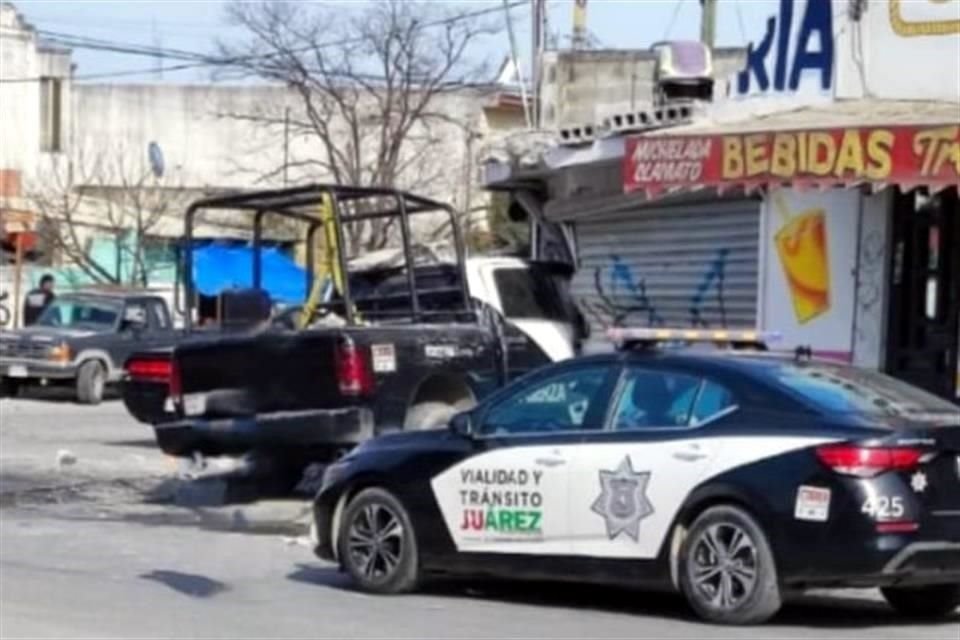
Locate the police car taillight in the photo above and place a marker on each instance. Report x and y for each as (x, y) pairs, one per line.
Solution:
(867, 462)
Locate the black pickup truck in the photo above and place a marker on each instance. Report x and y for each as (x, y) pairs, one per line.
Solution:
(406, 351)
(82, 339)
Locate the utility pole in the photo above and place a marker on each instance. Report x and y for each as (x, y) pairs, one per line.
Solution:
(536, 49)
(579, 24)
(708, 22)
(515, 59)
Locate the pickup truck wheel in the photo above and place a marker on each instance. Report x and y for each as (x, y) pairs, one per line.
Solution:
(377, 545)
(91, 380)
(428, 415)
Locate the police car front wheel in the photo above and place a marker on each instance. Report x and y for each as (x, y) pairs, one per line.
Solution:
(376, 544)
(727, 571)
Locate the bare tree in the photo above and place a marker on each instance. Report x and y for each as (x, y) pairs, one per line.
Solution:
(103, 195)
(366, 88)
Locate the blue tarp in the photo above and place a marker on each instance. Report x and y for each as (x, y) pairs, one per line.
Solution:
(218, 267)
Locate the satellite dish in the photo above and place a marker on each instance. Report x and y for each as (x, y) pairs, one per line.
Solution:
(155, 156)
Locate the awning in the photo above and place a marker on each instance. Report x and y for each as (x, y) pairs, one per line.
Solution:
(218, 267)
(840, 144)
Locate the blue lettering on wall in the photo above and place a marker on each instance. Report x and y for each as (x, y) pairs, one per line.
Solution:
(787, 63)
(818, 19)
(783, 43)
(756, 61)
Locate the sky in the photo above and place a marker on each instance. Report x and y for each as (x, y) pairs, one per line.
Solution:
(196, 26)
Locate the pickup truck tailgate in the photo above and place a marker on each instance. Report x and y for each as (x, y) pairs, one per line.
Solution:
(263, 373)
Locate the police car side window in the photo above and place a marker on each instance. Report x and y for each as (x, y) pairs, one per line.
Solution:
(655, 399)
(712, 401)
(553, 405)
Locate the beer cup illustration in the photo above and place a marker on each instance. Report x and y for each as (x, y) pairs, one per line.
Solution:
(802, 247)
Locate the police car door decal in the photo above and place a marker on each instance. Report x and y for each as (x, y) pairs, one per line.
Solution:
(510, 500)
(625, 496)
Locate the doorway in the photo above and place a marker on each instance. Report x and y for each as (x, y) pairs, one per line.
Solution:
(924, 329)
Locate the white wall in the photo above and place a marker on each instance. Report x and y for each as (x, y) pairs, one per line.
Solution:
(582, 86)
(910, 51)
(19, 113)
(209, 138)
(22, 62)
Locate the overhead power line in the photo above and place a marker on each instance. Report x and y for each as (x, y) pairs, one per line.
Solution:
(673, 19)
(196, 60)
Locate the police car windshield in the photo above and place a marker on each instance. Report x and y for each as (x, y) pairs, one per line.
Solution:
(79, 314)
(851, 390)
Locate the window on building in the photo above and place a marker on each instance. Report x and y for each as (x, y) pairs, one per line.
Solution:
(51, 114)
(158, 251)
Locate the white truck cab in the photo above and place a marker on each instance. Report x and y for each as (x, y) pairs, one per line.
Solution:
(542, 322)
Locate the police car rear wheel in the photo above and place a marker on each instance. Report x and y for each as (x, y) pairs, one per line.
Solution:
(377, 545)
(934, 601)
(727, 572)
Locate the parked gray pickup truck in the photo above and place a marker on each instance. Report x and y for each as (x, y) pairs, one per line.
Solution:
(83, 339)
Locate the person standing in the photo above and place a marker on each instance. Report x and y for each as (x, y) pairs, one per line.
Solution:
(37, 300)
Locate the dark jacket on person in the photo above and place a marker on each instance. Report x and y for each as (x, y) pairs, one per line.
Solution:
(36, 301)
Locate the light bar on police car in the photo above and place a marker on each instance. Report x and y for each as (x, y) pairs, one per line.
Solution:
(647, 334)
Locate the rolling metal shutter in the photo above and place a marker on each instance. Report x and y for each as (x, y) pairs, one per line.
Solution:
(689, 265)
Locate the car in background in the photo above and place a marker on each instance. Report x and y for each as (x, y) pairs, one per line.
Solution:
(731, 476)
(82, 339)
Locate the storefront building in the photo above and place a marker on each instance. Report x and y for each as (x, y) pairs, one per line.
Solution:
(818, 200)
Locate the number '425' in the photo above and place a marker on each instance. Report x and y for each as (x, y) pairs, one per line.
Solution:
(883, 507)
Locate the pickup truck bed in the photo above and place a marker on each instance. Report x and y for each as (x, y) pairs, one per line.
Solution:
(286, 391)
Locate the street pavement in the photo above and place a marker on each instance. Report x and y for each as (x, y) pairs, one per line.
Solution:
(96, 541)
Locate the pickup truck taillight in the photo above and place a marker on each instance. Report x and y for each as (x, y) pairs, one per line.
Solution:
(151, 370)
(354, 376)
(160, 370)
(175, 386)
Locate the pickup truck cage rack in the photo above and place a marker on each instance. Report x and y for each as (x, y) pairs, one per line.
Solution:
(348, 204)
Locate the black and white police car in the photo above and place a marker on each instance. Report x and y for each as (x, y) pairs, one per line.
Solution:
(733, 476)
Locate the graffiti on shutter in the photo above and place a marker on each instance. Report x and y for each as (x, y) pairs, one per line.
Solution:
(693, 266)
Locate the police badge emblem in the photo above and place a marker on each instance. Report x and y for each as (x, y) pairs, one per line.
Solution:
(623, 502)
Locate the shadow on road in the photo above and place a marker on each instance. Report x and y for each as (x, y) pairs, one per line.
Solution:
(144, 443)
(59, 394)
(816, 612)
(189, 584)
(321, 576)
